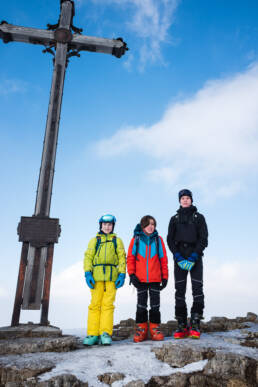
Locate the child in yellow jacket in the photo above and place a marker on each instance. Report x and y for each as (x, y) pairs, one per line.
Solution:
(104, 267)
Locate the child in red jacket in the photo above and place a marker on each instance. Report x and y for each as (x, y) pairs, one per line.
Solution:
(147, 266)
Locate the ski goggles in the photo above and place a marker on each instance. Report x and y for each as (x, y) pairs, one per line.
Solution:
(107, 219)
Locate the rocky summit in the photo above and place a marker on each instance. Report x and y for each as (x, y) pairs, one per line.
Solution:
(226, 356)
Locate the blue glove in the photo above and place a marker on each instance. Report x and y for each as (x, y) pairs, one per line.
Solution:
(186, 265)
(89, 279)
(193, 257)
(120, 280)
(178, 257)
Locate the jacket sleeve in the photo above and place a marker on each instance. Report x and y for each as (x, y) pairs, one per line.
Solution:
(131, 262)
(202, 235)
(164, 261)
(121, 256)
(171, 235)
(89, 255)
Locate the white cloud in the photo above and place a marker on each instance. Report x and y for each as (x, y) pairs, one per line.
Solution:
(230, 289)
(3, 293)
(210, 139)
(12, 86)
(151, 21)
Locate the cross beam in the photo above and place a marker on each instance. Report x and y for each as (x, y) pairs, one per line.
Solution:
(39, 233)
(11, 33)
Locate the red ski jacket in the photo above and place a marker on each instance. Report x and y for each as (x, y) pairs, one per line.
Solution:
(148, 266)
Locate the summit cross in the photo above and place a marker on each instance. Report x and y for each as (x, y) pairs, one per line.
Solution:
(39, 232)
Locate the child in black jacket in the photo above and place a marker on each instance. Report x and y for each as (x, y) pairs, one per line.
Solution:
(187, 238)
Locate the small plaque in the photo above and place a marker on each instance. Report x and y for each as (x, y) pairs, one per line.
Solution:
(39, 231)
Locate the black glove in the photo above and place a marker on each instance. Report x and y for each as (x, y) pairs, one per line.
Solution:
(134, 280)
(164, 284)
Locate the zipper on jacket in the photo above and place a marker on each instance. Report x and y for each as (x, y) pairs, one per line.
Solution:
(104, 266)
(148, 262)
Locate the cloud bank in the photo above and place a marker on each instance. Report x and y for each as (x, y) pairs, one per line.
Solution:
(149, 20)
(209, 140)
(230, 290)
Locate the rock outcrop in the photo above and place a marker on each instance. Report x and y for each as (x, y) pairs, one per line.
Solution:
(218, 359)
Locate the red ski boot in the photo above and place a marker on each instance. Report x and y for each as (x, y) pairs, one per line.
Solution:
(182, 330)
(155, 332)
(141, 332)
(194, 331)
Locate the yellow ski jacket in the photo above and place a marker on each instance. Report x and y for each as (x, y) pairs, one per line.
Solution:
(103, 259)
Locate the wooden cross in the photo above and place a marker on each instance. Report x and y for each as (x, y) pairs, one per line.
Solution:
(39, 232)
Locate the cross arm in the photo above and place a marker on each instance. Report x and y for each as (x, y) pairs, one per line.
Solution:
(11, 33)
(116, 47)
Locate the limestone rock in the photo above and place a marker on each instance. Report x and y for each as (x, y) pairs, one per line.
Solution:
(179, 356)
(175, 380)
(135, 383)
(29, 330)
(32, 345)
(111, 377)
(16, 374)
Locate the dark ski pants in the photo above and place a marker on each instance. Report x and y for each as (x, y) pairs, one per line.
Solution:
(153, 289)
(197, 289)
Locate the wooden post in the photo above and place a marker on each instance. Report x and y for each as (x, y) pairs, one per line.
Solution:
(46, 289)
(20, 284)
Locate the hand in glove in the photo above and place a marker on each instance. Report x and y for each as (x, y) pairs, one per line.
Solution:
(178, 257)
(193, 257)
(89, 279)
(134, 280)
(120, 280)
(164, 284)
(186, 265)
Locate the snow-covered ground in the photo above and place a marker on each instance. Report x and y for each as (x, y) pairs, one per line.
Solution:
(136, 361)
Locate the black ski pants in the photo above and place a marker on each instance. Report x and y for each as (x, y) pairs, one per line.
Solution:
(197, 289)
(153, 290)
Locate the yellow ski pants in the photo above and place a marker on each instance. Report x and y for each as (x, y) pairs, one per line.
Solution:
(101, 308)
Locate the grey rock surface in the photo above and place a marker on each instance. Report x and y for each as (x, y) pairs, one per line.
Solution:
(35, 344)
(29, 330)
(110, 377)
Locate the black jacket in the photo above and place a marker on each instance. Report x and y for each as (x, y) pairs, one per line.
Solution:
(187, 232)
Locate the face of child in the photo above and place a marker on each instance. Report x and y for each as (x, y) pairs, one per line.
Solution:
(185, 201)
(107, 227)
(150, 228)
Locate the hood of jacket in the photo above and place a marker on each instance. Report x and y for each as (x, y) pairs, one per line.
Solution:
(144, 237)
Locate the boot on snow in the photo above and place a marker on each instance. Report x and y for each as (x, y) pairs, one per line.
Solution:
(182, 331)
(155, 332)
(105, 339)
(141, 332)
(91, 340)
(194, 330)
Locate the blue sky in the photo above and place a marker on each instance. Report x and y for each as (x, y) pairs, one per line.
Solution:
(178, 110)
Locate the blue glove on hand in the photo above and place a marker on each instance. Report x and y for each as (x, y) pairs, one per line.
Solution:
(89, 279)
(193, 257)
(186, 265)
(120, 280)
(178, 257)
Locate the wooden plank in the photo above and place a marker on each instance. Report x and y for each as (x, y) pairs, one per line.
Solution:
(27, 35)
(66, 15)
(47, 282)
(94, 44)
(20, 285)
(33, 290)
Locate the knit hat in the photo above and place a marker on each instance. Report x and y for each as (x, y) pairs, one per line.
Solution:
(185, 192)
